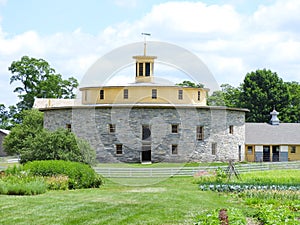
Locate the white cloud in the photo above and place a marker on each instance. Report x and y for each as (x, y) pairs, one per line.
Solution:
(283, 15)
(193, 17)
(231, 44)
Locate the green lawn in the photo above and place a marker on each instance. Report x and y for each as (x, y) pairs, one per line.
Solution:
(176, 200)
(173, 201)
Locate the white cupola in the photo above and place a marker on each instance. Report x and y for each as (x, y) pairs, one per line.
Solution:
(274, 120)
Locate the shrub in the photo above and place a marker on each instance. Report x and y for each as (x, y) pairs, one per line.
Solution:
(59, 182)
(80, 175)
(22, 185)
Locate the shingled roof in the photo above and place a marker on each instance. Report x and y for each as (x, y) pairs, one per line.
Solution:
(267, 134)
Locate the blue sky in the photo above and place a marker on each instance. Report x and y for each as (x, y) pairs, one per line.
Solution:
(232, 37)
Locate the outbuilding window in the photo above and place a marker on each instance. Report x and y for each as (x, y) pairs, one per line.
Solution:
(250, 150)
(293, 149)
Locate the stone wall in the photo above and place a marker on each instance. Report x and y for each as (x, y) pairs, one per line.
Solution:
(2, 136)
(92, 124)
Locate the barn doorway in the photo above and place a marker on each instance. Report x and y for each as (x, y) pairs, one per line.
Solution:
(266, 153)
(275, 153)
(146, 153)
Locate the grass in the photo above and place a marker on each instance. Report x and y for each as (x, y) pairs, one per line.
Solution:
(176, 200)
(273, 177)
(173, 201)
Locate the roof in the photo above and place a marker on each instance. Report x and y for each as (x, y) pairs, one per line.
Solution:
(44, 104)
(53, 102)
(267, 134)
(5, 131)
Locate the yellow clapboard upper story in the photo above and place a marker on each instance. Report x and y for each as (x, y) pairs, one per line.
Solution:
(145, 89)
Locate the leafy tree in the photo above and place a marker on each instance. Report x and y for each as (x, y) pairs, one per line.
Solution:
(4, 117)
(23, 134)
(227, 96)
(261, 91)
(38, 79)
(294, 106)
(216, 99)
(188, 83)
(32, 142)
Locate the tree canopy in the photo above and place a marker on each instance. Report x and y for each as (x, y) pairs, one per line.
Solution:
(38, 80)
(32, 142)
(187, 83)
(261, 92)
(227, 96)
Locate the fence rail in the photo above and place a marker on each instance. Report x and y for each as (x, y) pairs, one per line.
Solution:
(187, 171)
(190, 171)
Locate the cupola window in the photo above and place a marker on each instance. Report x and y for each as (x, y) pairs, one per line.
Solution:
(147, 69)
(140, 69)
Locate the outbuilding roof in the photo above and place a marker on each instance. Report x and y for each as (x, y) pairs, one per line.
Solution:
(267, 134)
(4, 131)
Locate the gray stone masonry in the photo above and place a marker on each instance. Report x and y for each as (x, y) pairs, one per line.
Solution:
(92, 124)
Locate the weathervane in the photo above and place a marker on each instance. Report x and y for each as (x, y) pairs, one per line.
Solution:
(145, 44)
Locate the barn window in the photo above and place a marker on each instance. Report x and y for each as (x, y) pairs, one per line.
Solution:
(180, 94)
(119, 149)
(69, 127)
(154, 93)
(200, 133)
(112, 128)
(101, 94)
(125, 93)
(213, 148)
(174, 149)
(231, 129)
(174, 128)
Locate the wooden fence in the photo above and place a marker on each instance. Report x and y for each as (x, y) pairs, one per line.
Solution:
(190, 171)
